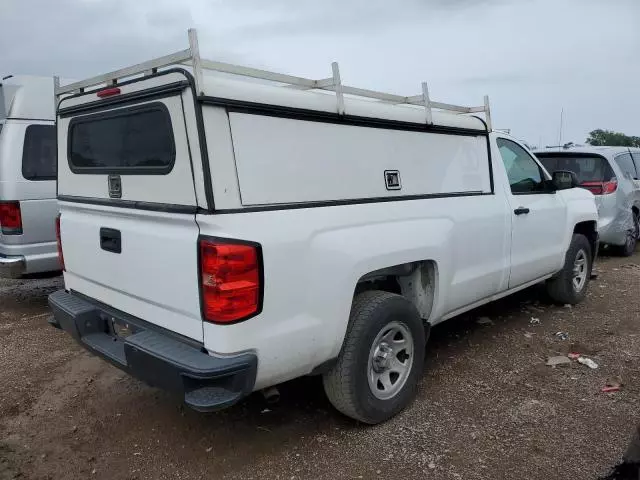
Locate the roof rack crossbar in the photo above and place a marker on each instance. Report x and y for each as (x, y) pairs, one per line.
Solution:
(171, 59)
(191, 57)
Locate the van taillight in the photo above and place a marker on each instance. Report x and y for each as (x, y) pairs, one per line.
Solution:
(59, 242)
(231, 280)
(10, 218)
(601, 188)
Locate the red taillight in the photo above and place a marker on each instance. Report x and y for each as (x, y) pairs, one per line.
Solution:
(108, 92)
(59, 242)
(601, 188)
(609, 187)
(230, 280)
(10, 218)
(593, 187)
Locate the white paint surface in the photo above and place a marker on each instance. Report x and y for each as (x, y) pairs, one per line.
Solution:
(275, 157)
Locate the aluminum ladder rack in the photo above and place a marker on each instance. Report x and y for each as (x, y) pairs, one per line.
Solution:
(191, 57)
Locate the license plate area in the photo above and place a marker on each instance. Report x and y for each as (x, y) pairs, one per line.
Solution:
(120, 329)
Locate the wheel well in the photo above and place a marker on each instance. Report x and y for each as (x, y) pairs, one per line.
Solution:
(416, 281)
(589, 230)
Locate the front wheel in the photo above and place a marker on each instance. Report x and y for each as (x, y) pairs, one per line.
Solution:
(570, 285)
(381, 358)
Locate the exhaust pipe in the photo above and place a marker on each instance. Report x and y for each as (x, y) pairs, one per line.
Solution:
(271, 395)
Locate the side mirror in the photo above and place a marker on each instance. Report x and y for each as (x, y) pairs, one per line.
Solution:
(564, 179)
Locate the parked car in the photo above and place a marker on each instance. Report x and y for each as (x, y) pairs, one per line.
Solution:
(28, 206)
(220, 236)
(612, 174)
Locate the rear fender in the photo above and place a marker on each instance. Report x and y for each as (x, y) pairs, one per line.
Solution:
(344, 251)
(311, 277)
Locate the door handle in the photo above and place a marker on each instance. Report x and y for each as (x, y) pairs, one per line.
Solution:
(110, 240)
(521, 211)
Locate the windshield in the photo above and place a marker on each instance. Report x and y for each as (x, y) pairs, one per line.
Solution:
(588, 168)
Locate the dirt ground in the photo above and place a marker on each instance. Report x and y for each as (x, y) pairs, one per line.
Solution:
(487, 406)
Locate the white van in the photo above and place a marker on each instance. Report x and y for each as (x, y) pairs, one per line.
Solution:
(28, 205)
(223, 236)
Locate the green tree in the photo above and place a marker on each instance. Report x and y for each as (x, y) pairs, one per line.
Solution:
(608, 138)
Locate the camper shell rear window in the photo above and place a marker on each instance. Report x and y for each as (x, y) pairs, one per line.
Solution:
(136, 140)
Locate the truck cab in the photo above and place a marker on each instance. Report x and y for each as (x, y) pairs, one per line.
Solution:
(28, 205)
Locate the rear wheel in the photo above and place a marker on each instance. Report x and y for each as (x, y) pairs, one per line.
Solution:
(381, 359)
(570, 285)
(631, 240)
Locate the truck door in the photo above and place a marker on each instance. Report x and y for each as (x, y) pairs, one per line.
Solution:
(539, 216)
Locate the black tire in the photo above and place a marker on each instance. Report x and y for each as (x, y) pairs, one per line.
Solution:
(631, 240)
(561, 288)
(347, 384)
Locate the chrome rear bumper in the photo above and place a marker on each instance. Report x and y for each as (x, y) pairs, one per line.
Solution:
(12, 266)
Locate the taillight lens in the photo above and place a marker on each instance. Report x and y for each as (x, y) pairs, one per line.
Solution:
(59, 242)
(10, 218)
(601, 188)
(593, 187)
(231, 277)
(609, 187)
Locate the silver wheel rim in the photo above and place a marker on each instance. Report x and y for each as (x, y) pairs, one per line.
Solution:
(390, 360)
(580, 271)
(631, 240)
(633, 234)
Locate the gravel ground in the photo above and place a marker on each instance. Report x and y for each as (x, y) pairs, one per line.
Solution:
(487, 406)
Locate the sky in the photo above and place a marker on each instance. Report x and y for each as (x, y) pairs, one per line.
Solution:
(534, 58)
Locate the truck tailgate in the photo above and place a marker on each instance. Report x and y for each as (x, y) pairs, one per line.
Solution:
(154, 277)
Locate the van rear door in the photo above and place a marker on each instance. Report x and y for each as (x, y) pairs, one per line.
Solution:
(128, 198)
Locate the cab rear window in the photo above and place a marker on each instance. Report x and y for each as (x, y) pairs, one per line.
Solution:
(134, 140)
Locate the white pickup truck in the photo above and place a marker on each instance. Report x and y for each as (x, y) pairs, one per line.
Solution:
(222, 236)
